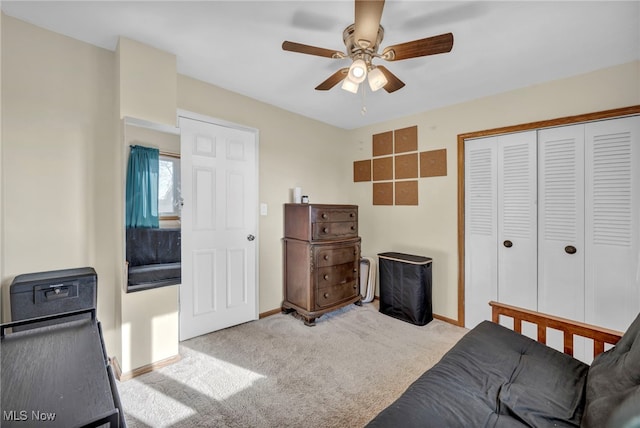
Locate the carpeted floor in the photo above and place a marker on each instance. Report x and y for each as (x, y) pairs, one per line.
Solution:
(276, 372)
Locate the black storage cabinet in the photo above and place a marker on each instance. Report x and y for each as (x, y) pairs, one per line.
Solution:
(405, 287)
(52, 292)
(58, 376)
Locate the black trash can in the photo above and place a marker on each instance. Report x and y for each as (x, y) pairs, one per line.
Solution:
(405, 287)
(53, 292)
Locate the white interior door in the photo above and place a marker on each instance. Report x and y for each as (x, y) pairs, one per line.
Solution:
(219, 223)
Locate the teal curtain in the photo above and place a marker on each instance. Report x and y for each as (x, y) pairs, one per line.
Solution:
(142, 187)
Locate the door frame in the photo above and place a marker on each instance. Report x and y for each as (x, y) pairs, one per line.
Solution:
(221, 122)
(568, 120)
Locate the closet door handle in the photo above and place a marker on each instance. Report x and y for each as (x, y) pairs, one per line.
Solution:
(570, 249)
(507, 243)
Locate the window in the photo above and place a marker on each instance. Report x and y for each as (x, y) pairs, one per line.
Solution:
(169, 187)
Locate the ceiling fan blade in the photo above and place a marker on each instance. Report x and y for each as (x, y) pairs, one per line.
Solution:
(311, 50)
(423, 47)
(367, 22)
(333, 80)
(393, 83)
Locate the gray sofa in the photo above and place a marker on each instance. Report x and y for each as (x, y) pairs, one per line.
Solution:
(153, 258)
(495, 377)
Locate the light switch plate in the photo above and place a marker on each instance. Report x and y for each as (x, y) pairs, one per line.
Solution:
(263, 209)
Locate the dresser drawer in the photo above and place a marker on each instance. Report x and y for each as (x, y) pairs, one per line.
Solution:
(338, 274)
(337, 230)
(320, 222)
(329, 296)
(333, 214)
(330, 256)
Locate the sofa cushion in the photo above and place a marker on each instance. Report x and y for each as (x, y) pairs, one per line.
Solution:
(153, 246)
(614, 378)
(546, 389)
(493, 377)
(153, 257)
(167, 273)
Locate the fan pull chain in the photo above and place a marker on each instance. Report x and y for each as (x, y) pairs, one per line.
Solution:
(364, 99)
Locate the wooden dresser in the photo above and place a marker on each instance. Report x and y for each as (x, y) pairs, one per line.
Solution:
(321, 259)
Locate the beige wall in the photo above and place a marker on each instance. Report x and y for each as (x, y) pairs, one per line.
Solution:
(147, 82)
(58, 99)
(430, 229)
(149, 327)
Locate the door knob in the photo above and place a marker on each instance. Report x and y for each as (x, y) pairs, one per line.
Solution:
(570, 249)
(507, 243)
(250, 237)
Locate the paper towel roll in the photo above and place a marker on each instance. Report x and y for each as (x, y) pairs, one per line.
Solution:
(297, 195)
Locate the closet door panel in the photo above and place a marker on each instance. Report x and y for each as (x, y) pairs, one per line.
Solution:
(517, 220)
(481, 259)
(561, 221)
(612, 283)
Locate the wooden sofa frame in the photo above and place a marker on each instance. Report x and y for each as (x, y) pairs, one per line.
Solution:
(599, 335)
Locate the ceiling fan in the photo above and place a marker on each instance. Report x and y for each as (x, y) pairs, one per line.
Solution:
(362, 40)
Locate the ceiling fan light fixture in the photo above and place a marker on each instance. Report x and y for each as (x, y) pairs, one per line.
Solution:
(376, 79)
(350, 85)
(358, 71)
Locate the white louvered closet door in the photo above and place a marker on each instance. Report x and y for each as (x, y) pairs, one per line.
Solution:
(517, 220)
(500, 224)
(561, 247)
(561, 216)
(481, 260)
(612, 233)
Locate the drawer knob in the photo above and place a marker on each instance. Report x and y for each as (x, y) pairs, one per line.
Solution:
(570, 249)
(326, 257)
(325, 230)
(353, 228)
(326, 277)
(324, 215)
(355, 270)
(326, 295)
(352, 215)
(355, 286)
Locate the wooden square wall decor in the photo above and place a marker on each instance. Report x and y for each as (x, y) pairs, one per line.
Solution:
(362, 170)
(406, 192)
(433, 163)
(383, 144)
(406, 166)
(383, 193)
(383, 169)
(406, 139)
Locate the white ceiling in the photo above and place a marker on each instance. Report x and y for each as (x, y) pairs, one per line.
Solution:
(498, 46)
